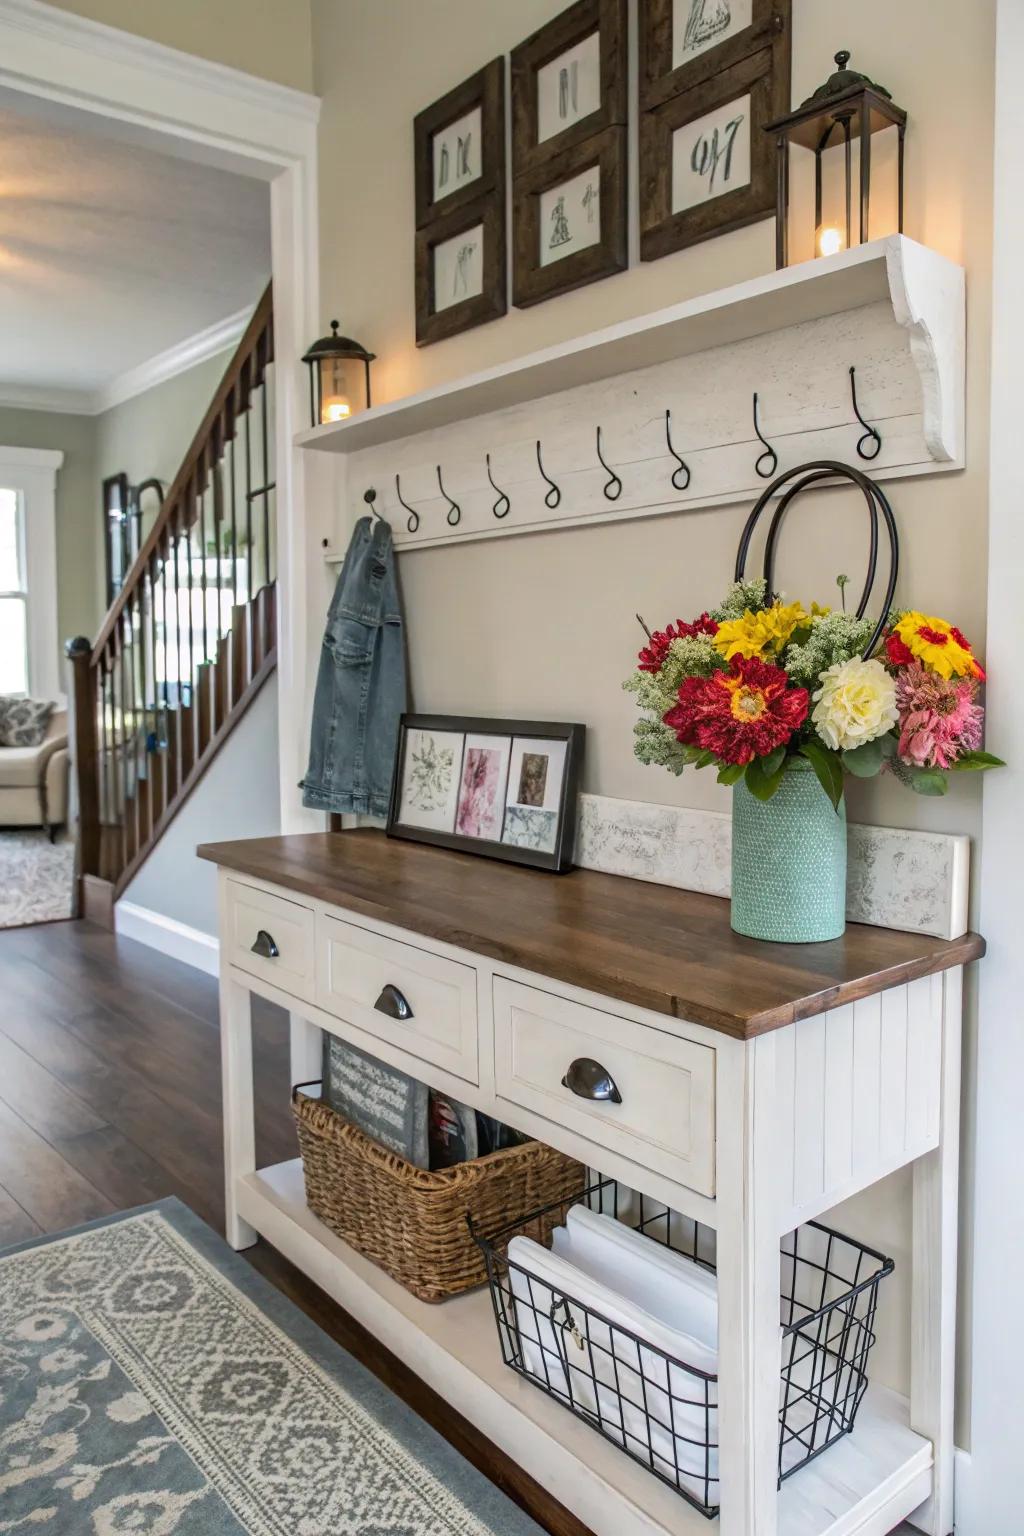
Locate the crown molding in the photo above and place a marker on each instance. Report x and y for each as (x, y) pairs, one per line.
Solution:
(60, 402)
(135, 381)
(167, 365)
(114, 45)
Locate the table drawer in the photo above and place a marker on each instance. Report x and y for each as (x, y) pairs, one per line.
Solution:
(271, 923)
(370, 981)
(659, 1108)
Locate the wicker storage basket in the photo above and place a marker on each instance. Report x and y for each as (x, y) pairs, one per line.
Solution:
(410, 1221)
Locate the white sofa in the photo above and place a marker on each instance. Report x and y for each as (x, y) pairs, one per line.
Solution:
(34, 780)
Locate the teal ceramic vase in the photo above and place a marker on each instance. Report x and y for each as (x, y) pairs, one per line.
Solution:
(789, 861)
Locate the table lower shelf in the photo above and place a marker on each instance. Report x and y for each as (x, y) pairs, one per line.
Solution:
(862, 1486)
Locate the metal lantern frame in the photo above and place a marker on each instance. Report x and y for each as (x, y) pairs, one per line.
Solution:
(847, 98)
(334, 348)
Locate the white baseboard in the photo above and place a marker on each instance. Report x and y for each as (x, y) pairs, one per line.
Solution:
(168, 936)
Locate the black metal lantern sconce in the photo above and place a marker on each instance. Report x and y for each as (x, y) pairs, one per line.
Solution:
(339, 377)
(847, 98)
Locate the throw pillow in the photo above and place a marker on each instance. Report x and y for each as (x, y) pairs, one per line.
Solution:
(23, 722)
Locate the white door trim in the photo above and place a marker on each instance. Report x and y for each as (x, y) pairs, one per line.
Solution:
(989, 1480)
(33, 473)
(149, 94)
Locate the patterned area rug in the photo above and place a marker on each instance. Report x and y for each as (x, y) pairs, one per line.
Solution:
(36, 880)
(151, 1382)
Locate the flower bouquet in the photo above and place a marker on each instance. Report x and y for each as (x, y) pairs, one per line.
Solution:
(784, 703)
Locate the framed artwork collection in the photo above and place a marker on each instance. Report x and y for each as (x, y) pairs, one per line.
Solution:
(503, 788)
(569, 156)
(459, 149)
(713, 74)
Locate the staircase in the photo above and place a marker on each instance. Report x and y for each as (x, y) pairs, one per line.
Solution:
(189, 640)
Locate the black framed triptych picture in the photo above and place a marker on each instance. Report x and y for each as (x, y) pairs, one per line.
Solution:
(503, 788)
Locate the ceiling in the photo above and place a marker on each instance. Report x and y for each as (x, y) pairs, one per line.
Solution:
(111, 254)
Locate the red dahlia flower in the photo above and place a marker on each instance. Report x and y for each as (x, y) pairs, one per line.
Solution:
(653, 656)
(740, 714)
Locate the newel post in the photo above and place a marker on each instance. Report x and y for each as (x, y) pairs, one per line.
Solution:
(82, 736)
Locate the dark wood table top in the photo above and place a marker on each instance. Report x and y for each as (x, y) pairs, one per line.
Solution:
(668, 950)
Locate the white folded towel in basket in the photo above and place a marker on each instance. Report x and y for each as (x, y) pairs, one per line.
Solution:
(595, 1356)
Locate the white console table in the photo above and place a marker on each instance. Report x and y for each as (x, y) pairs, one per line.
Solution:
(760, 1086)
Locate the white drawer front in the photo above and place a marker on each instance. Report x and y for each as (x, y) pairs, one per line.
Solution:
(289, 927)
(666, 1118)
(357, 966)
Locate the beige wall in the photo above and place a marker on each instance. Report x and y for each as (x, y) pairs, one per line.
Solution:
(270, 38)
(543, 625)
(79, 547)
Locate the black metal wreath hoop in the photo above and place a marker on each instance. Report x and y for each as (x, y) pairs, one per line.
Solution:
(815, 473)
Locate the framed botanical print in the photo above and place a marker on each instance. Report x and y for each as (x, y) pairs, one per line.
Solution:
(570, 219)
(461, 265)
(706, 164)
(459, 145)
(569, 81)
(684, 43)
(461, 270)
(503, 788)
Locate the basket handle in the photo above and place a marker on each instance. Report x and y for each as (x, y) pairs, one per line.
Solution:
(314, 1082)
(802, 477)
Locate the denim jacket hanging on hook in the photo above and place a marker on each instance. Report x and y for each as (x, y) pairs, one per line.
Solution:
(361, 684)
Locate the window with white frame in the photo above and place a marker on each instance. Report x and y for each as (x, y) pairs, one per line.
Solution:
(13, 593)
(29, 651)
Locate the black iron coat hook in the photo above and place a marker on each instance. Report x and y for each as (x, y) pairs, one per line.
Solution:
(553, 495)
(370, 497)
(870, 433)
(613, 485)
(769, 452)
(501, 495)
(454, 514)
(684, 468)
(413, 520)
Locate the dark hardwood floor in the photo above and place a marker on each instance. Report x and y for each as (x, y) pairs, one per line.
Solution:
(110, 1098)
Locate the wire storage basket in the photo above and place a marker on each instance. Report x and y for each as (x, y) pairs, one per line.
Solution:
(662, 1411)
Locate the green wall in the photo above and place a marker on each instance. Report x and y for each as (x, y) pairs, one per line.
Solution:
(79, 546)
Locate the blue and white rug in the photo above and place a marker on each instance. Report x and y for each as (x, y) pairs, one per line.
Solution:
(151, 1382)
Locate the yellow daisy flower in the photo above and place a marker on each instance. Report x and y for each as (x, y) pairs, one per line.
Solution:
(938, 645)
(764, 633)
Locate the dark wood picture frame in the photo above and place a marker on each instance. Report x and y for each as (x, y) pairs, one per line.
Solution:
(533, 283)
(558, 861)
(771, 27)
(434, 324)
(485, 89)
(609, 18)
(661, 230)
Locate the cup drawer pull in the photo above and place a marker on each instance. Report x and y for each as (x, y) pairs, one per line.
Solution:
(392, 1002)
(587, 1079)
(264, 945)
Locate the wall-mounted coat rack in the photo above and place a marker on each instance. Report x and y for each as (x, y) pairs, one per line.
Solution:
(860, 356)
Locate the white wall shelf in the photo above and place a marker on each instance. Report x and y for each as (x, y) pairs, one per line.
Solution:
(893, 309)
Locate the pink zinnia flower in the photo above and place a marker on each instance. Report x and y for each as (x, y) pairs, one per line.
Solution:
(939, 718)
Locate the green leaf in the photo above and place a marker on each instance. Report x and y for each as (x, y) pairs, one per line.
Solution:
(731, 773)
(762, 785)
(976, 761)
(864, 762)
(928, 781)
(772, 763)
(705, 760)
(828, 768)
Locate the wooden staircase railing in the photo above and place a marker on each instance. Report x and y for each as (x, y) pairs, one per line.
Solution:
(190, 638)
